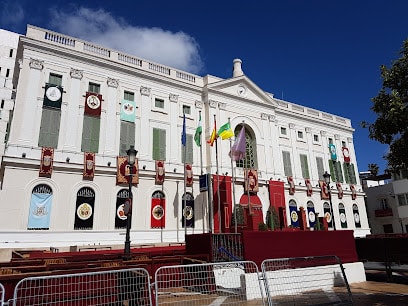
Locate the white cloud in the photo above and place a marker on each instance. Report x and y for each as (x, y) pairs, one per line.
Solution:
(178, 50)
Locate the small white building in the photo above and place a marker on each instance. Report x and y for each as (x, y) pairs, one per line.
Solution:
(79, 106)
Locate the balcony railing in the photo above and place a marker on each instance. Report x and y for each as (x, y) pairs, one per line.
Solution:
(384, 212)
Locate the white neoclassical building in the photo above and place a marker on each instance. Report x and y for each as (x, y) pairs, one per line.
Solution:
(79, 107)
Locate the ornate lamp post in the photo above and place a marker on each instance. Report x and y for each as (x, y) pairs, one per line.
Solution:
(326, 177)
(131, 153)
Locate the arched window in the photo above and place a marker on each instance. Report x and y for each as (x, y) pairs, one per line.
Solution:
(294, 216)
(84, 212)
(311, 215)
(158, 210)
(120, 218)
(187, 219)
(40, 208)
(356, 216)
(328, 214)
(342, 213)
(250, 160)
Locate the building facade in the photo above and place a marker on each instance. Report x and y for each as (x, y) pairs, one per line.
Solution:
(80, 106)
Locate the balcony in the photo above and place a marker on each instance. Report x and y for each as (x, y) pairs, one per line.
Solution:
(384, 212)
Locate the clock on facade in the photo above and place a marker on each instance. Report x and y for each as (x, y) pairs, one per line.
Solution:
(241, 90)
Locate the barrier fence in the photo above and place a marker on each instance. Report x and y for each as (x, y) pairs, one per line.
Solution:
(117, 287)
(317, 280)
(287, 281)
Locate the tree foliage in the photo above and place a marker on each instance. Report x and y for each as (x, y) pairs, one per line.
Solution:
(391, 107)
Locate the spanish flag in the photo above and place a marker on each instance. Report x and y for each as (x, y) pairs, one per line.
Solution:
(213, 137)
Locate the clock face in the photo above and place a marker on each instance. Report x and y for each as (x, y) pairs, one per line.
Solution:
(53, 93)
(93, 102)
(241, 90)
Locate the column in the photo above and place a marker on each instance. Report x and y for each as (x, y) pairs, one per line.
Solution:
(174, 135)
(297, 170)
(145, 134)
(109, 122)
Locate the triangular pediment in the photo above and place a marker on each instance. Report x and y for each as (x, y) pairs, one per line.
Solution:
(242, 88)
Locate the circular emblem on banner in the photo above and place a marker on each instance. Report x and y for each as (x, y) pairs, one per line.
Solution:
(357, 218)
(346, 152)
(47, 160)
(89, 164)
(158, 212)
(120, 212)
(312, 216)
(84, 211)
(128, 108)
(343, 217)
(93, 102)
(53, 93)
(294, 216)
(328, 217)
(188, 212)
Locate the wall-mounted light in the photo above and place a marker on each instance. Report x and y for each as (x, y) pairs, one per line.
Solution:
(300, 183)
(67, 159)
(174, 170)
(271, 178)
(109, 163)
(226, 173)
(23, 155)
(317, 185)
(144, 167)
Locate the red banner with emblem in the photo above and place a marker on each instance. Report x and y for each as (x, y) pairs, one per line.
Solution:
(47, 159)
(89, 165)
(291, 185)
(353, 192)
(339, 190)
(93, 104)
(324, 192)
(309, 188)
(251, 180)
(189, 175)
(160, 172)
(157, 216)
(123, 173)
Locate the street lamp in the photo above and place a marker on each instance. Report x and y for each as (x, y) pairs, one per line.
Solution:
(326, 177)
(131, 153)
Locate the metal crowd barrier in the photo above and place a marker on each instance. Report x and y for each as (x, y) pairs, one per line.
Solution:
(319, 280)
(115, 287)
(223, 283)
(2, 293)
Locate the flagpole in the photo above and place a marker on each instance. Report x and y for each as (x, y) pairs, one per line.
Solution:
(218, 179)
(185, 194)
(201, 147)
(233, 187)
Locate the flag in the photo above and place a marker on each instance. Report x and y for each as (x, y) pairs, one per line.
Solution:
(199, 130)
(225, 131)
(213, 137)
(239, 148)
(183, 134)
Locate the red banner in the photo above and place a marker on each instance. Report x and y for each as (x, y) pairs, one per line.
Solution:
(251, 180)
(89, 165)
(47, 158)
(339, 190)
(324, 192)
(122, 173)
(93, 104)
(291, 185)
(353, 192)
(157, 216)
(309, 188)
(160, 172)
(346, 154)
(189, 175)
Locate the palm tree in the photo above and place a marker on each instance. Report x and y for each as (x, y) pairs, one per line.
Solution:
(373, 168)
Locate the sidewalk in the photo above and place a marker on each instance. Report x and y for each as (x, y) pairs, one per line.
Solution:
(379, 293)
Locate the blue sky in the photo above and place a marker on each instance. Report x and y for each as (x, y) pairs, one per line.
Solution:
(321, 54)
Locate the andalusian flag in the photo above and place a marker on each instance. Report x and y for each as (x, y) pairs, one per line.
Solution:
(199, 130)
(225, 131)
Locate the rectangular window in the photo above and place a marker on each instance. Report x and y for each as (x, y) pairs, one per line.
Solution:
(49, 129)
(300, 134)
(55, 79)
(388, 229)
(402, 199)
(283, 131)
(93, 87)
(188, 150)
(330, 140)
(90, 134)
(187, 109)
(343, 144)
(2, 104)
(383, 204)
(159, 103)
(335, 171)
(127, 137)
(320, 167)
(287, 165)
(7, 73)
(129, 96)
(11, 53)
(315, 138)
(304, 165)
(159, 144)
(349, 173)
